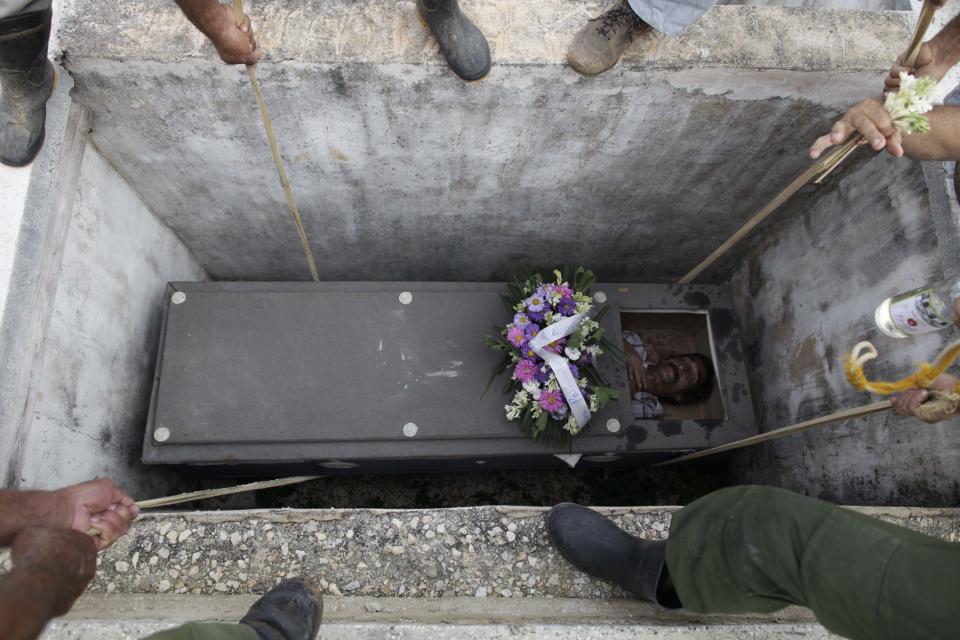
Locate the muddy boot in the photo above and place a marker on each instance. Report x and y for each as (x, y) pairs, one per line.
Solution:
(598, 547)
(462, 44)
(26, 81)
(601, 42)
(290, 611)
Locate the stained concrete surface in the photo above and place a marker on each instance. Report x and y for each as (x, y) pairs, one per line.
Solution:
(87, 404)
(404, 172)
(807, 292)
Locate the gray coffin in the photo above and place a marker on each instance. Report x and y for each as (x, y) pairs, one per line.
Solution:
(388, 376)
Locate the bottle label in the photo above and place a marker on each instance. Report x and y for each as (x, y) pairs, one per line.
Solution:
(913, 314)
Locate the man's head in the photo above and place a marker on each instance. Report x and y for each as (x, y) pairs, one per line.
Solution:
(681, 379)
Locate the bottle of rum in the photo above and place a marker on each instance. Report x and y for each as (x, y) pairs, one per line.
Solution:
(923, 310)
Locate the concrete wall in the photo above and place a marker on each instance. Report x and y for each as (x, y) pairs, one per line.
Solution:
(807, 291)
(87, 401)
(403, 171)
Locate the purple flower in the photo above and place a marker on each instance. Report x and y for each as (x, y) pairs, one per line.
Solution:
(543, 374)
(536, 303)
(515, 336)
(585, 357)
(521, 320)
(525, 371)
(574, 371)
(536, 316)
(567, 306)
(552, 402)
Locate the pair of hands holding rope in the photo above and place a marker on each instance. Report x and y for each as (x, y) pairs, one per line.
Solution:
(871, 120)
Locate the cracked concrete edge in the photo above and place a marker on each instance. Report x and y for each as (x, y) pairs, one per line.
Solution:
(457, 610)
(525, 33)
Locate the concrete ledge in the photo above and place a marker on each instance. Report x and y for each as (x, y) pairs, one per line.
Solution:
(480, 552)
(133, 616)
(531, 32)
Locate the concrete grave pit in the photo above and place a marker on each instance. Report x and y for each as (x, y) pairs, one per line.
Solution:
(157, 171)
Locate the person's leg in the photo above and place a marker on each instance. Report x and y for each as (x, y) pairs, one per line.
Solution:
(26, 80)
(462, 44)
(290, 611)
(758, 549)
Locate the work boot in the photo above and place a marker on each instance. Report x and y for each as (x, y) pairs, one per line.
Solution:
(26, 81)
(601, 42)
(290, 611)
(462, 44)
(600, 548)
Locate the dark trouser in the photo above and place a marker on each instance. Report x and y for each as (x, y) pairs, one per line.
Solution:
(759, 549)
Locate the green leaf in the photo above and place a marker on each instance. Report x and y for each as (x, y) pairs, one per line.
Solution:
(500, 368)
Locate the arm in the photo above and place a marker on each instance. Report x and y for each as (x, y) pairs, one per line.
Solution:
(872, 121)
(98, 503)
(235, 44)
(51, 568)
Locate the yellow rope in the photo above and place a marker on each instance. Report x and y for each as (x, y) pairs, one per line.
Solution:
(924, 377)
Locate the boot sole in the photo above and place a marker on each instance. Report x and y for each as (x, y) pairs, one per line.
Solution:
(427, 27)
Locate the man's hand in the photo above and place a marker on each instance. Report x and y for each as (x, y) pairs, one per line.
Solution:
(100, 504)
(60, 562)
(929, 63)
(235, 43)
(906, 403)
(870, 120)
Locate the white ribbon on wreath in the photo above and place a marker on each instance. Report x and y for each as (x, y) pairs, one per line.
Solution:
(561, 366)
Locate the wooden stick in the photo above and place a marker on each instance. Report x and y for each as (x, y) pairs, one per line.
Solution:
(153, 503)
(837, 416)
(818, 171)
(278, 160)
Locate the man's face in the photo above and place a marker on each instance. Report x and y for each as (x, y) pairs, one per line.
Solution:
(675, 376)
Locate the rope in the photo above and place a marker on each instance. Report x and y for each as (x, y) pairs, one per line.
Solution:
(275, 151)
(924, 377)
(816, 172)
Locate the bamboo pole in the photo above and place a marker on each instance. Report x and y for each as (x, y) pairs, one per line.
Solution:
(192, 496)
(846, 414)
(278, 160)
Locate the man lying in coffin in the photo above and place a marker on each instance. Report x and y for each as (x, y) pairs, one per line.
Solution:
(677, 379)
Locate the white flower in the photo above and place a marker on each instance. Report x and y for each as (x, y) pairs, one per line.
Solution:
(573, 354)
(594, 350)
(533, 389)
(549, 317)
(915, 97)
(521, 398)
(588, 326)
(583, 307)
(583, 382)
(513, 412)
(571, 426)
(594, 403)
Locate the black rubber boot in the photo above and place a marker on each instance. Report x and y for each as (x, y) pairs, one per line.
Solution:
(290, 611)
(461, 42)
(600, 548)
(26, 82)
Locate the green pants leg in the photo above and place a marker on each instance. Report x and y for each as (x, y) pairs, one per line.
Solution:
(207, 631)
(759, 549)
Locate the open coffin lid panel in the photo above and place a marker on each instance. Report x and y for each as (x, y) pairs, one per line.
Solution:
(383, 372)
